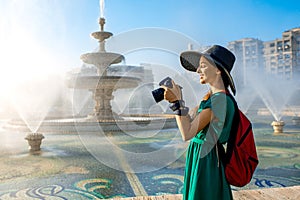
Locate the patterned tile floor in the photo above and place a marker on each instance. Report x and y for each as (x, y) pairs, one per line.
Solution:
(92, 166)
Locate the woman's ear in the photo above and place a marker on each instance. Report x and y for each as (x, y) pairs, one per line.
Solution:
(218, 71)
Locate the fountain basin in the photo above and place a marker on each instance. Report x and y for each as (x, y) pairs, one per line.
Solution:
(102, 58)
(87, 124)
(278, 126)
(100, 82)
(101, 35)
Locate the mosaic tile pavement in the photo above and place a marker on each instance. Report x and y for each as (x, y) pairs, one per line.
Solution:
(65, 169)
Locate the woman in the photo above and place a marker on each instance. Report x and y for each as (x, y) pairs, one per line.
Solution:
(204, 174)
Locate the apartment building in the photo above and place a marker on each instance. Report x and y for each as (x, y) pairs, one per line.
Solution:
(282, 56)
(249, 56)
(279, 57)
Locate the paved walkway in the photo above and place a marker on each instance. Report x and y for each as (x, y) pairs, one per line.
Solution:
(87, 167)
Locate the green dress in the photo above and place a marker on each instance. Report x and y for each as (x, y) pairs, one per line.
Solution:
(204, 174)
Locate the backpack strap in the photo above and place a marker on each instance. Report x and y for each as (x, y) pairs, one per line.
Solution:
(221, 154)
(233, 131)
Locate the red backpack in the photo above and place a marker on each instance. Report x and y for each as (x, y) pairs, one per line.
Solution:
(240, 159)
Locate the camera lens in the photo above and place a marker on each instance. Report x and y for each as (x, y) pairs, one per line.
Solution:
(158, 94)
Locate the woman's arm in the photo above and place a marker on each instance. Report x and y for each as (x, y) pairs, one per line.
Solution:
(189, 129)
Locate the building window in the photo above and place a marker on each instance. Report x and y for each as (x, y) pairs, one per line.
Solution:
(280, 62)
(287, 45)
(279, 49)
(287, 67)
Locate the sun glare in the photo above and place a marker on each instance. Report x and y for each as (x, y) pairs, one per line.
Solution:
(23, 59)
(24, 44)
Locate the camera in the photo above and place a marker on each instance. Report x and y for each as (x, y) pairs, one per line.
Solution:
(158, 94)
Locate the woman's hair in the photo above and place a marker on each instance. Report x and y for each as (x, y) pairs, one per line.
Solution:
(224, 76)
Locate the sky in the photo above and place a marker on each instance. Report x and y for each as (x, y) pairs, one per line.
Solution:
(48, 36)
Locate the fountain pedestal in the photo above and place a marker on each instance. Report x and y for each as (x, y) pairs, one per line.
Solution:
(278, 126)
(34, 141)
(102, 97)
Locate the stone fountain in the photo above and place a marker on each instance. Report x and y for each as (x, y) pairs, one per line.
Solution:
(102, 85)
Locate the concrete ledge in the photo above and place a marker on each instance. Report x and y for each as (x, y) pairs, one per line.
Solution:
(284, 193)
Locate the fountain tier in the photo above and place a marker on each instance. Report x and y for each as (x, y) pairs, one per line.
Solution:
(98, 82)
(102, 59)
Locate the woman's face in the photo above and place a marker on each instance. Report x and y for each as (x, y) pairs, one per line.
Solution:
(207, 71)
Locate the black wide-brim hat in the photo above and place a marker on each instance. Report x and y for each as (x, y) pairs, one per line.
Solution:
(222, 57)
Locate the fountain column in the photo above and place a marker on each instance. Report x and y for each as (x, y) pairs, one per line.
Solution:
(102, 97)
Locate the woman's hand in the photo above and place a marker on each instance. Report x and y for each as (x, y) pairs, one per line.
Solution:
(172, 94)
